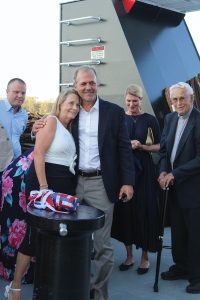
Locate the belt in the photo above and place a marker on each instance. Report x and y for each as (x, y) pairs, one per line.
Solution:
(89, 174)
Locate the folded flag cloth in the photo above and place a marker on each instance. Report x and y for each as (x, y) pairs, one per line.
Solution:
(52, 201)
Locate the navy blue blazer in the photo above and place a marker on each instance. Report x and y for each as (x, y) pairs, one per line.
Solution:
(115, 151)
(186, 167)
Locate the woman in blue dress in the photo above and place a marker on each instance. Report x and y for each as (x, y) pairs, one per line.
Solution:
(136, 221)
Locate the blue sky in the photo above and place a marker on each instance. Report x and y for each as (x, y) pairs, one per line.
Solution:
(29, 35)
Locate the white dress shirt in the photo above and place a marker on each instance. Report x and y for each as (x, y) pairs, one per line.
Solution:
(88, 138)
(182, 122)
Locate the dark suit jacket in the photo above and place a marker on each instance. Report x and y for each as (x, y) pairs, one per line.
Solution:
(114, 148)
(186, 167)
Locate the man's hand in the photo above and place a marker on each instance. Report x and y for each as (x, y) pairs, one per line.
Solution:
(38, 125)
(161, 176)
(126, 190)
(165, 180)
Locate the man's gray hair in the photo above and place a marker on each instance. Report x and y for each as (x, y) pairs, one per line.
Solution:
(84, 68)
(182, 85)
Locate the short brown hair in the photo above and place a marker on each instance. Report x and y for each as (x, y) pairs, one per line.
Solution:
(84, 68)
(15, 79)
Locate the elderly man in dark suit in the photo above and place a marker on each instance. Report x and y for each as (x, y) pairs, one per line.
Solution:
(105, 167)
(180, 169)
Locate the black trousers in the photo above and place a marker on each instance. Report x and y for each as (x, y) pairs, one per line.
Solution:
(185, 233)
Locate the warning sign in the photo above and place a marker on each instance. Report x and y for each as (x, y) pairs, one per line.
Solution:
(98, 52)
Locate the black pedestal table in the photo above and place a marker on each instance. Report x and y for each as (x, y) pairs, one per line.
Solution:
(63, 256)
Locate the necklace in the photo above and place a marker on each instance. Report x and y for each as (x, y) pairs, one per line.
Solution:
(134, 118)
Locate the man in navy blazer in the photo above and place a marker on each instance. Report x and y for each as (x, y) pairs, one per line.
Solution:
(105, 167)
(180, 170)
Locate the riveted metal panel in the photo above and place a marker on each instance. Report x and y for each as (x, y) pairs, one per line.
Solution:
(118, 68)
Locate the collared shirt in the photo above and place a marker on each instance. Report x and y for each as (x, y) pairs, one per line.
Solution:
(6, 150)
(14, 123)
(182, 122)
(88, 138)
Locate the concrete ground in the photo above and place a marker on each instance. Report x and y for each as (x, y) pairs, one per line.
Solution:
(130, 286)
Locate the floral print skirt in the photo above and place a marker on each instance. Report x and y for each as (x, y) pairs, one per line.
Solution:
(12, 215)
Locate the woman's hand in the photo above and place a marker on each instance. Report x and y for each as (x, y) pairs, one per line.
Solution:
(149, 148)
(136, 145)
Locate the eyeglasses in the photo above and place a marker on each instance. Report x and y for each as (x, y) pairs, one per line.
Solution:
(180, 100)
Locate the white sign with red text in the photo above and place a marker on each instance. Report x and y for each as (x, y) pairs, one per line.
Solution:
(98, 52)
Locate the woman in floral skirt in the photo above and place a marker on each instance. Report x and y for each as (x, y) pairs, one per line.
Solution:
(12, 214)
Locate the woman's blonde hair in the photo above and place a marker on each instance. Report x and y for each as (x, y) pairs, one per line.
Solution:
(134, 90)
(60, 99)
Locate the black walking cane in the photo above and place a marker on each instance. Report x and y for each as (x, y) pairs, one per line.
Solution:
(161, 233)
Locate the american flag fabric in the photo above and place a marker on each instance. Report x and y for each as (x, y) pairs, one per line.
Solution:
(52, 201)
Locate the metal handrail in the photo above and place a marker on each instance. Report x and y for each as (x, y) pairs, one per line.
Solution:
(80, 63)
(71, 21)
(82, 41)
(70, 84)
(67, 84)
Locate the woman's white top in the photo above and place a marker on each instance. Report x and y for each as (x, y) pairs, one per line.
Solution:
(62, 150)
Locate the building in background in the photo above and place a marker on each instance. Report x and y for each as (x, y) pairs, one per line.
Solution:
(129, 41)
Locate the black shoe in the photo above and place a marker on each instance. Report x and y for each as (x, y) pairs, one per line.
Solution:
(174, 274)
(142, 271)
(124, 267)
(193, 288)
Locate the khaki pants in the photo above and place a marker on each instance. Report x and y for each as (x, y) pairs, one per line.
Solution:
(91, 191)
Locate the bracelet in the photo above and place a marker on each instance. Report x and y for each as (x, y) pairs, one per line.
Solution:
(43, 186)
